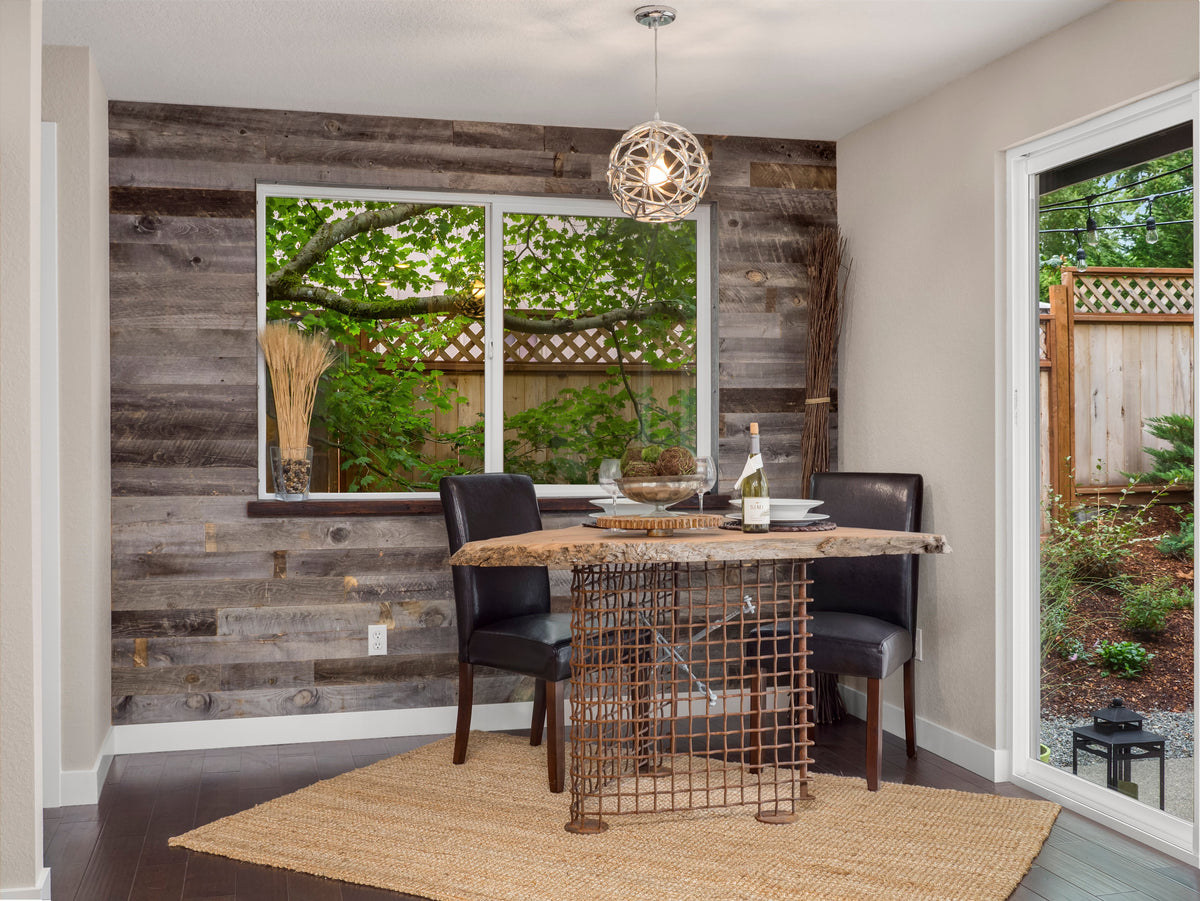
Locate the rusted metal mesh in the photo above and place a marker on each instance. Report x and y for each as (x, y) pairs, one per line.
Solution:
(669, 711)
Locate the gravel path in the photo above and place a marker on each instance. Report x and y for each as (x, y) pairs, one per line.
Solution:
(1175, 727)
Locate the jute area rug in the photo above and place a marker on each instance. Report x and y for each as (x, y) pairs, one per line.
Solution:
(490, 831)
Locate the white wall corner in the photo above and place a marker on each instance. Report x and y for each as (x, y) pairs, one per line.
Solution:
(990, 763)
(84, 786)
(38, 892)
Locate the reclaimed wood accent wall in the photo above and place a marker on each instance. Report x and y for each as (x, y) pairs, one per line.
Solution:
(218, 615)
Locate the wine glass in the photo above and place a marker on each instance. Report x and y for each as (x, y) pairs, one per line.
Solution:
(706, 469)
(610, 471)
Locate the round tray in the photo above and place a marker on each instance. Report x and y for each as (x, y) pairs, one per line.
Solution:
(661, 526)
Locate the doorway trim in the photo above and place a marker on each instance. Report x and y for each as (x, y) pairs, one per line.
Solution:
(1018, 657)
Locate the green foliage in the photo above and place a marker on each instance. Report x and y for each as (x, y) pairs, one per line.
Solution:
(380, 404)
(1124, 247)
(1145, 610)
(1175, 464)
(1126, 659)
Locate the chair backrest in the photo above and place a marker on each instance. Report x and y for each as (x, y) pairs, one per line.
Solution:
(886, 586)
(488, 506)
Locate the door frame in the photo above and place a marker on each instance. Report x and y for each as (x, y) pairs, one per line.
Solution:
(1018, 517)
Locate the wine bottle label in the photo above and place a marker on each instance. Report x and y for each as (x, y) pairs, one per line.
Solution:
(753, 464)
(756, 511)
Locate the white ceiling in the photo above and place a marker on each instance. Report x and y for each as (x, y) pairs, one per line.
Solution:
(813, 69)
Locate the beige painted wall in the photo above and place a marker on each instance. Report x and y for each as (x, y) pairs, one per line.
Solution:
(20, 473)
(921, 198)
(73, 97)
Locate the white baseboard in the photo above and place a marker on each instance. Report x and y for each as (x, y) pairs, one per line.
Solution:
(285, 730)
(39, 892)
(83, 786)
(966, 752)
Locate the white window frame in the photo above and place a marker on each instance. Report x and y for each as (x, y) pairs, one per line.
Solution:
(496, 206)
(1018, 519)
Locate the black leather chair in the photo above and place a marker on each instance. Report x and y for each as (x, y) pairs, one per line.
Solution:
(864, 609)
(504, 618)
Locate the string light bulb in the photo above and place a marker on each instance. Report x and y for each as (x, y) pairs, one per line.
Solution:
(1093, 234)
(1151, 225)
(1080, 255)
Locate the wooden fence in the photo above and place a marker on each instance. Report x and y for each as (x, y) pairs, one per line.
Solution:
(1116, 350)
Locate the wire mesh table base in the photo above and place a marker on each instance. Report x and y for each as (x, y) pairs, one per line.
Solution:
(666, 715)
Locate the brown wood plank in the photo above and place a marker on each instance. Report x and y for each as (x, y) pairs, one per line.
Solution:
(161, 623)
(356, 561)
(192, 256)
(302, 534)
(793, 176)
(132, 228)
(189, 202)
(184, 480)
(499, 135)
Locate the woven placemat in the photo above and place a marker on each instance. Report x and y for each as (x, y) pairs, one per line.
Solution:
(735, 525)
(489, 830)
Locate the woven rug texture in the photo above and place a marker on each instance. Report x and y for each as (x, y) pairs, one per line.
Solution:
(489, 830)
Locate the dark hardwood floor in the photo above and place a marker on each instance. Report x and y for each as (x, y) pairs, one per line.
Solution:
(117, 849)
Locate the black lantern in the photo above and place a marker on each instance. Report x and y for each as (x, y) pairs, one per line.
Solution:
(1116, 718)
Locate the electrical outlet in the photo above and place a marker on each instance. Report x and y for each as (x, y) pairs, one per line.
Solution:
(918, 646)
(376, 640)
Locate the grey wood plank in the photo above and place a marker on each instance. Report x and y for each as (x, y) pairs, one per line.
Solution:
(184, 480)
(234, 565)
(326, 534)
(181, 509)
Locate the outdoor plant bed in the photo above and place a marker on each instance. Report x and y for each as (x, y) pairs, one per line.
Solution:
(1074, 688)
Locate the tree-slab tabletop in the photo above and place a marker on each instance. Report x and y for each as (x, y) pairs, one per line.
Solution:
(582, 546)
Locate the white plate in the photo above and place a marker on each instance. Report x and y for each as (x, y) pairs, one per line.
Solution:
(790, 520)
(784, 508)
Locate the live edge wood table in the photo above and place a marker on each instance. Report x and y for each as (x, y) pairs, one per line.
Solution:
(664, 715)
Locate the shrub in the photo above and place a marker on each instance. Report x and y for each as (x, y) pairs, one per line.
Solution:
(1181, 598)
(1145, 609)
(1126, 659)
(1174, 464)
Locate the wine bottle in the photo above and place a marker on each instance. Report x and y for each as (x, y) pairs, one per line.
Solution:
(756, 500)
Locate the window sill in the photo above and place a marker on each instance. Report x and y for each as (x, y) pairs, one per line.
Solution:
(425, 506)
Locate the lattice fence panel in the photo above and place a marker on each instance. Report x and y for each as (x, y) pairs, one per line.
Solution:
(1161, 294)
(589, 346)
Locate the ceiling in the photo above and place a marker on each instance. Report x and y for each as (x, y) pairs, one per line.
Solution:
(814, 69)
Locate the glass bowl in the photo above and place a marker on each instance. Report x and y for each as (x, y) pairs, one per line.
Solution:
(661, 491)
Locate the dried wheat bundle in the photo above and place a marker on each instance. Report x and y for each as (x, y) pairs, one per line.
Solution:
(295, 360)
(824, 324)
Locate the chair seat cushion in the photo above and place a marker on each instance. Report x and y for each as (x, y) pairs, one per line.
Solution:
(537, 645)
(844, 643)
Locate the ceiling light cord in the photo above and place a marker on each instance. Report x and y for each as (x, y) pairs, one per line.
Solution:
(655, 27)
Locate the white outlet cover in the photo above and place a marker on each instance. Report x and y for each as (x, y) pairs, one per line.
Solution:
(376, 640)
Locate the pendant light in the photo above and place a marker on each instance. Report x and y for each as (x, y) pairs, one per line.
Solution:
(658, 171)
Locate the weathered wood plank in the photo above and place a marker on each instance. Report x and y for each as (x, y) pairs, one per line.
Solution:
(773, 150)
(316, 534)
(184, 480)
(158, 538)
(155, 452)
(265, 648)
(126, 228)
(793, 176)
(129, 339)
(233, 565)
(128, 510)
(195, 256)
(205, 418)
(354, 561)
(384, 670)
(499, 135)
(144, 206)
(234, 176)
(186, 594)
(249, 622)
(163, 623)
(185, 300)
(195, 706)
(211, 677)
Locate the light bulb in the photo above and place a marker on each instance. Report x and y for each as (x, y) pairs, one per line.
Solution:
(656, 173)
(1081, 260)
(1151, 231)
(1093, 235)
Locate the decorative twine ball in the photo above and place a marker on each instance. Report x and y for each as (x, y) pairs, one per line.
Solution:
(676, 461)
(469, 305)
(657, 172)
(640, 470)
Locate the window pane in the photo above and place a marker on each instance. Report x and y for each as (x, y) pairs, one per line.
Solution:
(599, 341)
(398, 286)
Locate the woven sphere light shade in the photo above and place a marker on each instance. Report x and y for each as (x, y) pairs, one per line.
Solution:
(657, 172)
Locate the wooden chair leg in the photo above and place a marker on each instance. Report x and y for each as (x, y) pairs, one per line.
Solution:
(466, 690)
(910, 716)
(539, 712)
(555, 751)
(874, 735)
